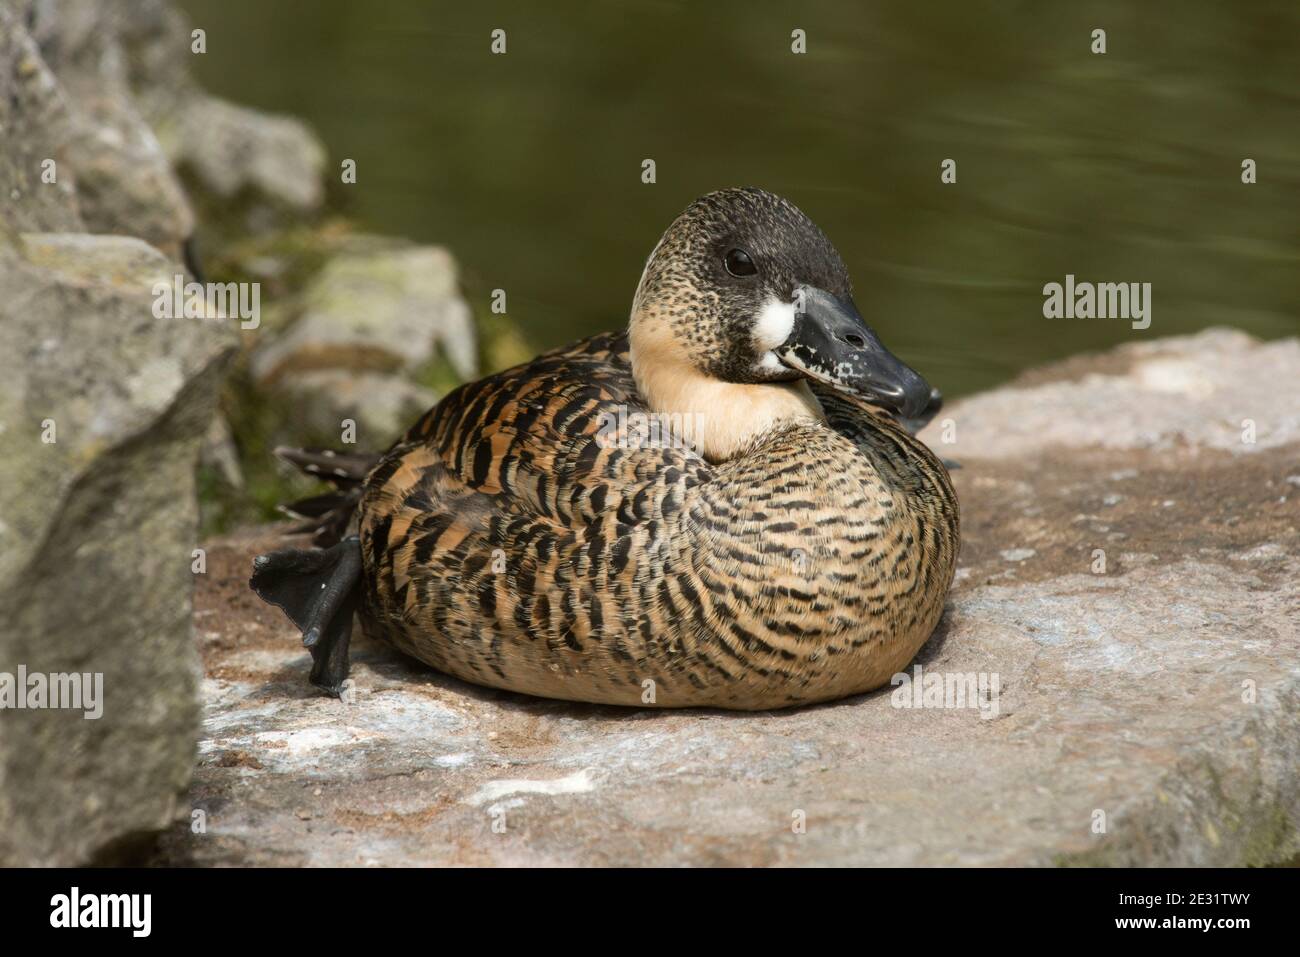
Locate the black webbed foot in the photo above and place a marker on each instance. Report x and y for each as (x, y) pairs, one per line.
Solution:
(317, 589)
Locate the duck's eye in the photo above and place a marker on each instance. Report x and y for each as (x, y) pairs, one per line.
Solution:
(739, 264)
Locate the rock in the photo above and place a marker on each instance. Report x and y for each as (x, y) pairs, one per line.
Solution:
(125, 182)
(230, 150)
(220, 455)
(317, 405)
(34, 129)
(98, 526)
(359, 343)
(284, 262)
(381, 311)
(1219, 389)
(1147, 706)
(250, 168)
(105, 89)
(97, 529)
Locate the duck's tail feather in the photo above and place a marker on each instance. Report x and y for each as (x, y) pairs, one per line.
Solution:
(344, 469)
(327, 517)
(317, 589)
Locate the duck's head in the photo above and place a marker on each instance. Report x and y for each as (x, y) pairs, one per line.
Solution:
(742, 300)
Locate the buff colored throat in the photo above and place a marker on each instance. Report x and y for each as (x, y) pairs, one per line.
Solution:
(733, 416)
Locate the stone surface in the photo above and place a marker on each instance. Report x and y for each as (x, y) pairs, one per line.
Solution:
(1138, 602)
(270, 163)
(100, 123)
(97, 527)
(230, 149)
(124, 180)
(317, 404)
(219, 454)
(104, 88)
(1195, 392)
(34, 127)
(388, 310)
(245, 167)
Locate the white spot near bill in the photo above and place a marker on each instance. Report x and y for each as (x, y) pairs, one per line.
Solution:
(773, 324)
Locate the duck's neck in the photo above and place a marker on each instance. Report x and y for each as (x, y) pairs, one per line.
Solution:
(732, 416)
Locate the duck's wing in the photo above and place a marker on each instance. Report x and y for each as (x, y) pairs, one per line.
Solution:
(553, 436)
(528, 470)
(879, 433)
(547, 441)
(511, 509)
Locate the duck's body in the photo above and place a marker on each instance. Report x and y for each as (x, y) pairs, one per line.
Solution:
(508, 541)
(526, 535)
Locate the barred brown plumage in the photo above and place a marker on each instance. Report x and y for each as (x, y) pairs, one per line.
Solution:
(802, 552)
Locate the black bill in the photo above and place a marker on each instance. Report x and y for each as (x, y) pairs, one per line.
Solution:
(830, 343)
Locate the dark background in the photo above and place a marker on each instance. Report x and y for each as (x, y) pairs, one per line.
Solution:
(1123, 167)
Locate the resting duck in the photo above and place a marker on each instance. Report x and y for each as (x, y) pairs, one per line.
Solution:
(780, 539)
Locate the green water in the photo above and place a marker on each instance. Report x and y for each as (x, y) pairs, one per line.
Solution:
(1122, 167)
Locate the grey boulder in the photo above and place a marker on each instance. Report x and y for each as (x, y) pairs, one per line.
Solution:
(102, 409)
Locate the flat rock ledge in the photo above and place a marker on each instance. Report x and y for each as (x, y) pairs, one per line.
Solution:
(1129, 573)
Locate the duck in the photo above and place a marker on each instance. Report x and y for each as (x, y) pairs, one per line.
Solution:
(780, 538)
